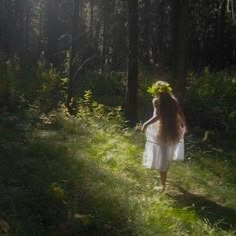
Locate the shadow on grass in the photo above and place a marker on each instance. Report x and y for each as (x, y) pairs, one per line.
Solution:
(214, 213)
(45, 187)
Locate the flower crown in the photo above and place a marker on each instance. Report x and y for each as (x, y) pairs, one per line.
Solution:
(159, 87)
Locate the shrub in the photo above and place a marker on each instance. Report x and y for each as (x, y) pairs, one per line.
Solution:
(210, 99)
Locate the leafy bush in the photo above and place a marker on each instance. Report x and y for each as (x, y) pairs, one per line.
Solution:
(210, 99)
(109, 91)
(52, 89)
(40, 85)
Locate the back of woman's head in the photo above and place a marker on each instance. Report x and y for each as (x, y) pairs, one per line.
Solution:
(168, 131)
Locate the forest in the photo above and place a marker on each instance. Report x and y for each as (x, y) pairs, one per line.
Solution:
(74, 79)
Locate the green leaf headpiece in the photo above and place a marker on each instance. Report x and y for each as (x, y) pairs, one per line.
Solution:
(159, 87)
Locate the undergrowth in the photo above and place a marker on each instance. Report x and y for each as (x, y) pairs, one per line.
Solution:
(82, 175)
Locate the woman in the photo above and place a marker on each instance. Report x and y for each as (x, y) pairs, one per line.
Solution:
(164, 131)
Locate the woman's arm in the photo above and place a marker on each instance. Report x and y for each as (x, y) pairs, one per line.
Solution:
(150, 121)
(155, 116)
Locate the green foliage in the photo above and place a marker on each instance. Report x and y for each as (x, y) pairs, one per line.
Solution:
(211, 97)
(12, 94)
(159, 87)
(82, 175)
(39, 86)
(53, 87)
(109, 91)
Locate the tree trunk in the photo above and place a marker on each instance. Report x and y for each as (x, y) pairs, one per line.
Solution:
(52, 31)
(15, 18)
(91, 22)
(105, 41)
(131, 109)
(180, 47)
(19, 27)
(40, 37)
(73, 57)
(104, 44)
(26, 31)
(220, 37)
(147, 8)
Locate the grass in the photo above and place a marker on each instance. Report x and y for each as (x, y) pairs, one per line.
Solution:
(83, 176)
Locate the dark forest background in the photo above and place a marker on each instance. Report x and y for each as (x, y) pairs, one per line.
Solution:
(104, 45)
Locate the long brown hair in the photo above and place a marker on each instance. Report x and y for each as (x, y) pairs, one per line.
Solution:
(169, 129)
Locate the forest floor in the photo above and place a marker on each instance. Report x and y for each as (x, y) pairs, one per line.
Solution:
(86, 178)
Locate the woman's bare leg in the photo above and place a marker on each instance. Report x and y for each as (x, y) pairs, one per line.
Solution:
(163, 175)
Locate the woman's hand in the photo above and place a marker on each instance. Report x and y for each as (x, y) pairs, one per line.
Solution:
(185, 129)
(150, 121)
(144, 127)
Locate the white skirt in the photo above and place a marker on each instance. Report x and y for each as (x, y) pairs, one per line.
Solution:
(156, 156)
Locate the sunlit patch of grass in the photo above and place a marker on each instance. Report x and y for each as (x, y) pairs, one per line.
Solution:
(159, 215)
(208, 176)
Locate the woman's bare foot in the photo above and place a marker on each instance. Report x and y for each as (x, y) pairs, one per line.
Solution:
(160, 188)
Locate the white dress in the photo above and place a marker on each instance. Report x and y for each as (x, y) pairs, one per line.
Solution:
(157, 156)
